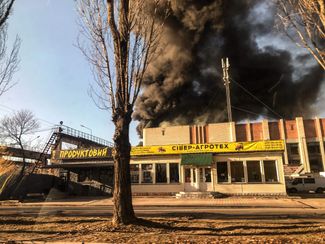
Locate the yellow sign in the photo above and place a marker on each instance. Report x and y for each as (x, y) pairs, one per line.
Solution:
(226, 147)
(83, 153)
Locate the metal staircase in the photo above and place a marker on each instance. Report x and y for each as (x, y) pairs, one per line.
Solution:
(49, 144)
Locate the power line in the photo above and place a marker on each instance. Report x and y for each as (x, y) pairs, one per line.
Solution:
(248, 111)
(14, 110)
(256, 98)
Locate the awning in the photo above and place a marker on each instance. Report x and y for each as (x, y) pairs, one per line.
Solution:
(204, 159)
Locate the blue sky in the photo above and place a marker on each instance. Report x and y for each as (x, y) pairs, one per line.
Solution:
(54, 76)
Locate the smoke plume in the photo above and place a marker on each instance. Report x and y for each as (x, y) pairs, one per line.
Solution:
(184, 83)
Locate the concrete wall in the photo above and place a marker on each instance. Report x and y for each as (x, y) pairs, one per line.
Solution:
(221, 132)
(166, 135)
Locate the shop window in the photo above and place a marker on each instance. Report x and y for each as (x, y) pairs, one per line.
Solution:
(207, 172)
(254, 171)
(134, 171)
(161, 174)
(187, 175)
(147, 173)
(173, 173)
(222, 172)
(270, 171)
(237, 171)
(205, 175)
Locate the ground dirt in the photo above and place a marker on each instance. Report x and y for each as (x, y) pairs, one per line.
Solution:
(161, 230)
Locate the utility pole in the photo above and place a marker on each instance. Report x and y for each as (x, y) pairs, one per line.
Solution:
(225, 67)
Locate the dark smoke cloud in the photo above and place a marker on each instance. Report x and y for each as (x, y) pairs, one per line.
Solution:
(184, 85)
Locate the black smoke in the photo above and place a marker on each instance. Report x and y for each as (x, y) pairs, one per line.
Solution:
(184, 84)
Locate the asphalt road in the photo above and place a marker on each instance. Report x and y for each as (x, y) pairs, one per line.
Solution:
(170, 211)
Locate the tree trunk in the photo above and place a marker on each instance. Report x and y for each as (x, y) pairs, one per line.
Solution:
(122, 198)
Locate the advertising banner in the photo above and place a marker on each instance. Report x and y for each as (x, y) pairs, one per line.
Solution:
(103, 152)
(224, 147)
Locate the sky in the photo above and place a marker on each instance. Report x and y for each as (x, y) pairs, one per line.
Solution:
(54, 77)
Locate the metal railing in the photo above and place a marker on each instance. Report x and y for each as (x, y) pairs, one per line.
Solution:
(77, 133)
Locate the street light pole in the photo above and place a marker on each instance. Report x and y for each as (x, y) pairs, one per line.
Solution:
(91, 132)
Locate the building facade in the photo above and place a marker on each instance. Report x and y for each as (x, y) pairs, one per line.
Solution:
(230, 158)
(237, 172)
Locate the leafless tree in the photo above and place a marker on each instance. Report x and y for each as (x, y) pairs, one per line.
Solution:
(123, 38)
(15, 128)
(304, 22)
(8, 61)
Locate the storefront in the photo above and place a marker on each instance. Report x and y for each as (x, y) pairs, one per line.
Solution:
(228, 167)
(232, 168)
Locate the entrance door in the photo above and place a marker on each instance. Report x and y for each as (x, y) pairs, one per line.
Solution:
(197, 179)
(205, 179)
(190, 177)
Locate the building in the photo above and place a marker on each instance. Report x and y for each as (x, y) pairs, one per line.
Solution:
(232, 158)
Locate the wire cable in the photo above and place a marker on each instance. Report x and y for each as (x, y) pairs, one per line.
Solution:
(256, 98)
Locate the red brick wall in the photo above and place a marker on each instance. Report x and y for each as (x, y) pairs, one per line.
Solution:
(256, 131)
(206, 133)
(290, 128)
(322, 125)
(241, 134)
(274, 129)
(310, 128)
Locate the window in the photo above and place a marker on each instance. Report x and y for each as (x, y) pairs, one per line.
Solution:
(315, 157)
(222, 172)
(293, 153)
(187, 175)
(207, 174)
(313, 147)
(147, 173)
(194, 174)
(201, 175)
(161, 174)
(270, 171)
(316, 164)
(254, 171)
(309, 181)
(134, 171)
(297, 181)
(237, 171)
(293, 148)
(173, 173)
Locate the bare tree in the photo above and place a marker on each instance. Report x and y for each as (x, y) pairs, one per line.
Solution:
(14, 129)
(8, 61)
(304, 22)
(123, 37)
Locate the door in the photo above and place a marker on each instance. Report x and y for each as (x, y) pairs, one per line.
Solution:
(205, 179)
(190, 177)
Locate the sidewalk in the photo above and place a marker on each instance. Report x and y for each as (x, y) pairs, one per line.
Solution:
(230, 202)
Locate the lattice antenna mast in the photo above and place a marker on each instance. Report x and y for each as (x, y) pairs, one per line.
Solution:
(225, 67)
